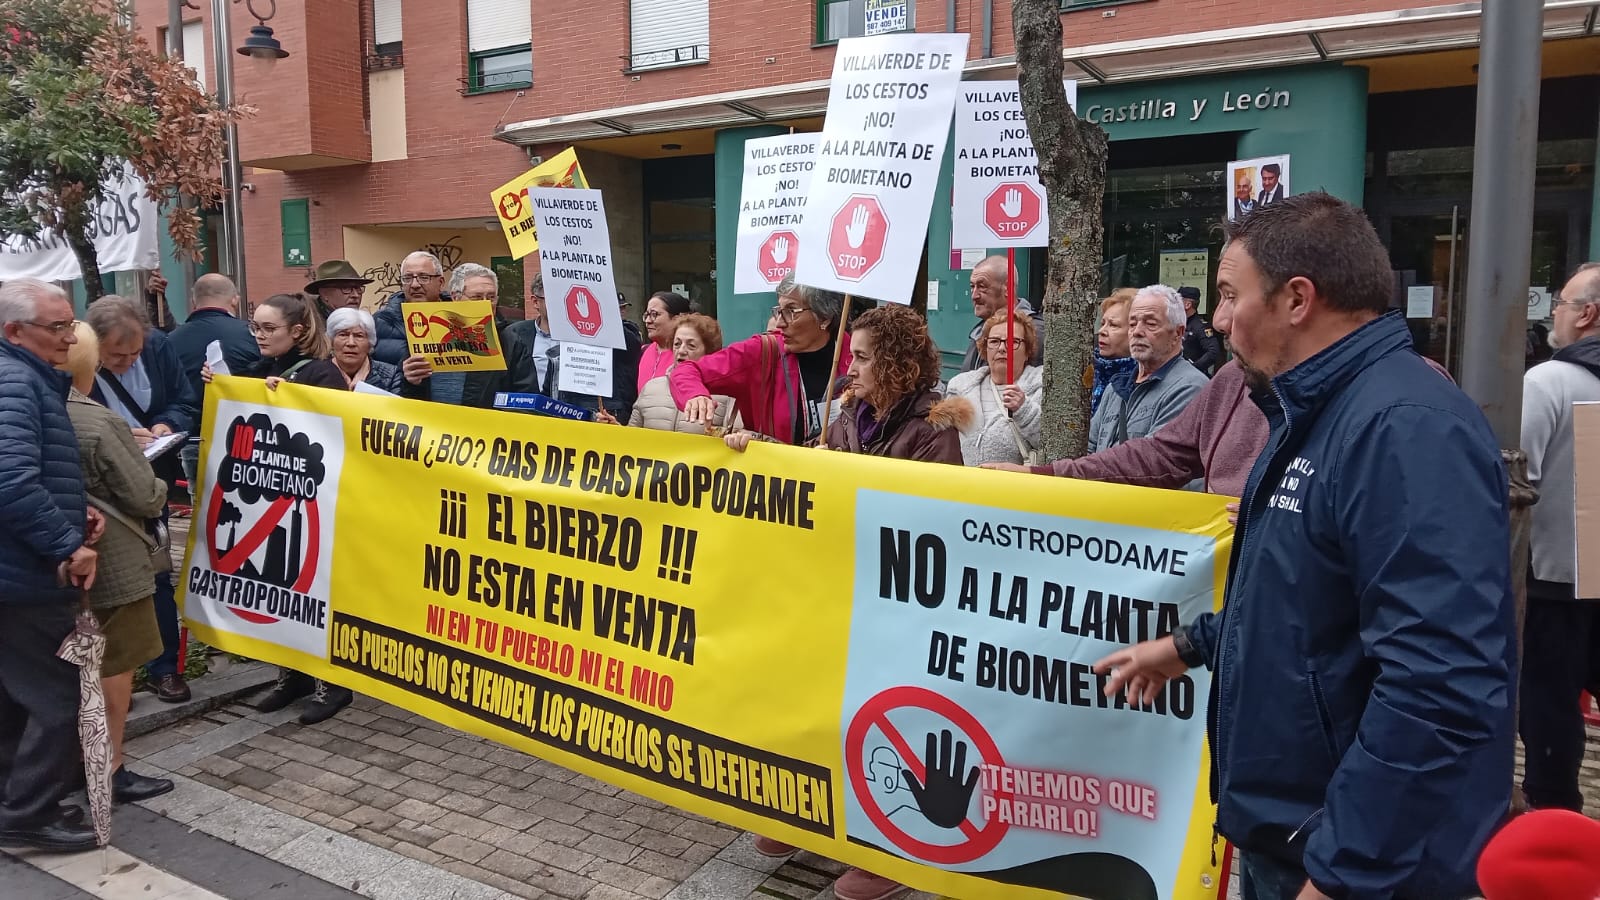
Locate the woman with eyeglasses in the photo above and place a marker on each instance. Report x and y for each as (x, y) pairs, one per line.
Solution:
(696, 336)
(353, 334)
(1007, 427)
(779, 381)
(289, 334)
(662, 314)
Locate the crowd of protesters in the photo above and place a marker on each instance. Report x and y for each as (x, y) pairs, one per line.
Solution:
(1362, 715)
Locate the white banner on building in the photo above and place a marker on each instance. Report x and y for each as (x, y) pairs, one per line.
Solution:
(996, 195)
(124, 229)
(772, 197)
(580, 293)
(866, 213)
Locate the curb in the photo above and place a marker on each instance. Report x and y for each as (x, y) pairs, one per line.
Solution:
(223, 685)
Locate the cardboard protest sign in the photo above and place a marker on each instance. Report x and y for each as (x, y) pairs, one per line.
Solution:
(866, 213)
(579, 289)
(772, 198)
(996, 195)
(455, 335)
(511, 203)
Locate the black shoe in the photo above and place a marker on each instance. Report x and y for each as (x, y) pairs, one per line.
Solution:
(291, 686)
(59, 836)
(172, 689)
(326, 701)
(129, 787)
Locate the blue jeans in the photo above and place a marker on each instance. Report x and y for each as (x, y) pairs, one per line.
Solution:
(166, 603)
(1265, 878)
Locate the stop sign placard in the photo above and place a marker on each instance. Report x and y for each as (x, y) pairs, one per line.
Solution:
(856, 236)
(583, 311)
(776, 258)
(1012, 210)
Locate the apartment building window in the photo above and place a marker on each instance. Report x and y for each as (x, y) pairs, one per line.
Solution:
(499, 45)
(387, 48)
(856, 18)
(668, 33)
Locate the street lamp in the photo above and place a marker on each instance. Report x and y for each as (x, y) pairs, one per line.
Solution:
(259, 45)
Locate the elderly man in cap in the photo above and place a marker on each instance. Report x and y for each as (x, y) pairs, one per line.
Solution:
(1202, 346)
(337, 285)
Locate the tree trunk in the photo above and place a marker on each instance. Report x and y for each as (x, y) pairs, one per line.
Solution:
(1072, 169)
(75, 227)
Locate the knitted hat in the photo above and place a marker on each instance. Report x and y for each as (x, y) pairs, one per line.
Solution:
(1550, 854)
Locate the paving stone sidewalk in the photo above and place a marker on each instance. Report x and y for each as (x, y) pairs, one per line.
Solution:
(398, 782)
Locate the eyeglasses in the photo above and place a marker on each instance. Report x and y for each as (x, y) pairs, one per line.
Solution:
(264, 330)
(787, 314)
(650, 315)
(1580, 302)
(350, 288)
(56, 329)
(1000, 343)
(418, 279)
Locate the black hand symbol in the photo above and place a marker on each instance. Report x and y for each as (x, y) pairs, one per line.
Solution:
(945, 797)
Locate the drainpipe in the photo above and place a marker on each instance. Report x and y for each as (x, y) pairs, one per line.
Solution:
(950, 15)
(988, 29)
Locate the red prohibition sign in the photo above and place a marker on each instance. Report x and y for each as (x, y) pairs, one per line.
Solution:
(874, 713)
(230, 562)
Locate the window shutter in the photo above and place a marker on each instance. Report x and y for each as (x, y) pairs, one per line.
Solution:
(669, 32)
(386, 21)
(498, 23)
(194, 50)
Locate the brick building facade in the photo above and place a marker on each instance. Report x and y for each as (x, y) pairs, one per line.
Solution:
(393, 120)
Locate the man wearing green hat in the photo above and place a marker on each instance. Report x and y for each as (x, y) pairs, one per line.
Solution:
(337, 285)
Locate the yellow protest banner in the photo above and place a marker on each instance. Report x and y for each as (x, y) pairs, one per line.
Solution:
(881, 661)
(511, 204)
(455, 335)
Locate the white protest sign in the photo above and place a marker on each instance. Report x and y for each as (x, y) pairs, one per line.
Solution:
(124, 230)
(772, 197)
(1538, 304)
(585, 370)
(996, 195)
(1419, 301)
(580, 293)
(866, 213)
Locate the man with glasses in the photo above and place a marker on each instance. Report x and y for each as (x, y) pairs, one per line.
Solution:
(421, 281)
(45, 566)
(337, 285)
(989, 297)
(1561, 635)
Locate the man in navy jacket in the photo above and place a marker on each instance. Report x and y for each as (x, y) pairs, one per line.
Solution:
(1361, 702)
(45, 564)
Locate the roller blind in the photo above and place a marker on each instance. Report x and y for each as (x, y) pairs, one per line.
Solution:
(386, 21)
(669, 32)
(492, 24)
(194, 50)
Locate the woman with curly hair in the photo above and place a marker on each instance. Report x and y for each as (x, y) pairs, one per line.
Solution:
(893, 409)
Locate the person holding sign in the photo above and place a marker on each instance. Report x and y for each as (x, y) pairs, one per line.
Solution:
(661, 317)
(354, 334)
(892, 408)
(696, 336)
(1009, 413)
(779, 382)
(1364, 660)
(421, 281)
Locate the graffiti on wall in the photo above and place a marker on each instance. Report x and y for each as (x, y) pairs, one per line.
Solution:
(386, 276)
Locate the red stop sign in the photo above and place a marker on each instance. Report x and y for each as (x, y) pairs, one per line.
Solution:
(856, 237)
(1013, 210)
(776, 259)
(583, 311)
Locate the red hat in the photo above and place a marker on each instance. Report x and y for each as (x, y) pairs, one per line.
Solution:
(1551, 854)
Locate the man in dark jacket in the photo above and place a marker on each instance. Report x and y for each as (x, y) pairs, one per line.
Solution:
(1360, 713)
(213, 316)
(45, 564)
(421, 281)
(539, 370)
(1202, 345)
(989, 293)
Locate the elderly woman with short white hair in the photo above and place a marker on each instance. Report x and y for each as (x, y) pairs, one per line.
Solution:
(353, 334)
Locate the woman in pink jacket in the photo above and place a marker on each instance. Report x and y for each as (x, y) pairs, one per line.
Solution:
(662, 315)
(779, 380)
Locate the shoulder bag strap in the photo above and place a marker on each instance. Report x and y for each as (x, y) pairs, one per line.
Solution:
(116, 514)
(111, 381)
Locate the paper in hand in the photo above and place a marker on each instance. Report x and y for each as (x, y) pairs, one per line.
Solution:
(214, 359)
(164, 443)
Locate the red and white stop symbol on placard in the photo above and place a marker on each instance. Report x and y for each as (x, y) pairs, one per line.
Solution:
(856, 237)
(777, 256)
(1013, 210)
(583, 311)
